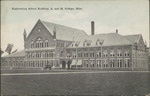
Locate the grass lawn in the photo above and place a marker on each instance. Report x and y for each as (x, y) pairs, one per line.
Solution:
(77, 84)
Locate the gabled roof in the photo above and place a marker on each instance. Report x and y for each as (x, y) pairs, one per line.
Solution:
(134, 38)
(64, 32)
(16, 54)
(110, 39)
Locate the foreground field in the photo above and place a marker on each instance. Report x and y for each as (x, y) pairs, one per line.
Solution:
(77, 84)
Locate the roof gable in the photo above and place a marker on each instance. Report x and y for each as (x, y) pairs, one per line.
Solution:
(35, 26)
(134, 38)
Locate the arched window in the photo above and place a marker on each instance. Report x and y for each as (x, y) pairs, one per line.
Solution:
(126, 53)
(119, 53)
(41, 44)
(98, 54)
(46, 43)
(112, 53)
(32, 44)
(105, 53)
(37, 44)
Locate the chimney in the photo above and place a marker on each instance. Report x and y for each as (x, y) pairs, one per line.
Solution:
(117, 31)
(92, 28)
(54, 32)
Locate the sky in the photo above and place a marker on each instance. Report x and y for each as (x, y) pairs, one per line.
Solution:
(128, 16)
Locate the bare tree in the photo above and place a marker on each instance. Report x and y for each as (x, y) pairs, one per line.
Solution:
(9, 48)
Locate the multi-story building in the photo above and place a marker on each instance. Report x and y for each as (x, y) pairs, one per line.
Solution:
(61, 47)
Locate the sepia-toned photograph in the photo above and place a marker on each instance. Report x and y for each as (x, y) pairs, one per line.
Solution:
(75, 48)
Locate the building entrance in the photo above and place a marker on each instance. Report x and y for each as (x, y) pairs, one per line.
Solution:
(63, 64)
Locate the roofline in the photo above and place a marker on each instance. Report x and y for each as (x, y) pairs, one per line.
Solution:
(139, 38)
(32, 29)
(46, 27)
(100, 46)
(140, 35)
(67, 26)
(126, 38)
(43, 25)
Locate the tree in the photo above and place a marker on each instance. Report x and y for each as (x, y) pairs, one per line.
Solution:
(9, 48)
(15, 51)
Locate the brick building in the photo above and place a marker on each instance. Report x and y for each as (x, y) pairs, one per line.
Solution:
(60, 46)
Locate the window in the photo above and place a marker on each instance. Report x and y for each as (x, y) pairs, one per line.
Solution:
(112, 63)
(98, 54)
(37, 44)
(74, 55)
(73, 44)
(127, 63)
(105, 63)
(41, 44)
(79, 54)
(126, 53)
(119, 62)
(32, 44)
(98, 62)
(39, 29)
(85, 54)
(119, 53)
(46, 43)
(112, 54)
(68, 54)
(105, 53)
(86, 63)
(92, 54)
(86, 43)
(92, 63)
(99, 42)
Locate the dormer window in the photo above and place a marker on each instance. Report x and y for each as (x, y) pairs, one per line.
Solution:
(99, 42)
(86, 43)
(73, 44)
